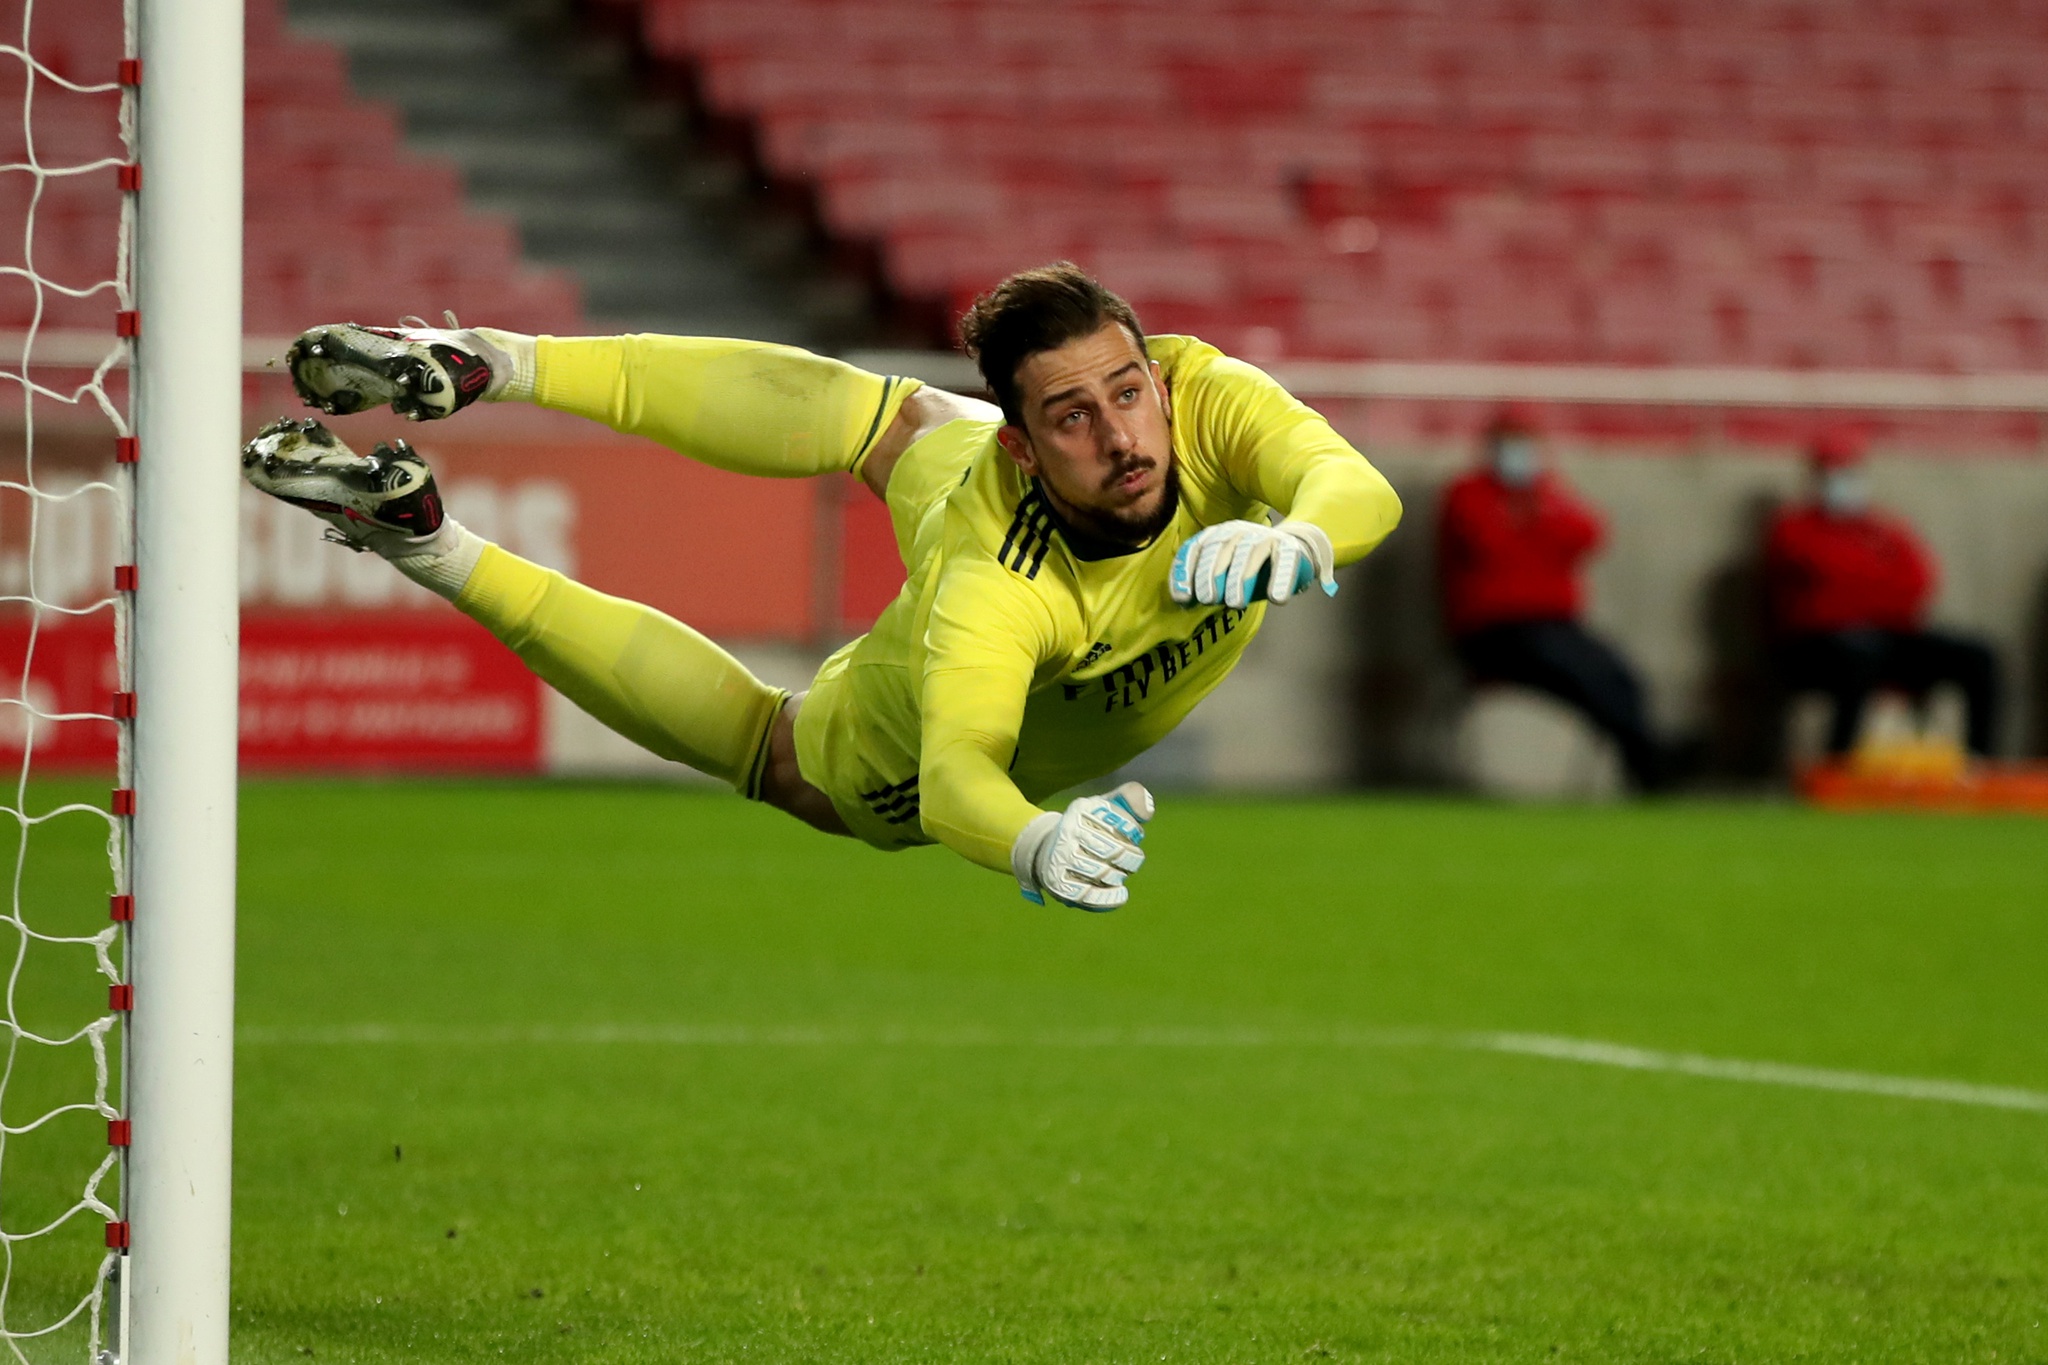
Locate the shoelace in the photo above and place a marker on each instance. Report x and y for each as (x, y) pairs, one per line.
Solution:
(333, 536)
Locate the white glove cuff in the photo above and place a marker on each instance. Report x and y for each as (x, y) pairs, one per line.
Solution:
(1322, 556)
(1030, 843)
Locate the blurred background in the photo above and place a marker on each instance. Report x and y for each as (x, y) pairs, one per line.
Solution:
(1689, 239)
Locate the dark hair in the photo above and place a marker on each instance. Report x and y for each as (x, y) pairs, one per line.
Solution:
(1515, 419)
(1033, 311)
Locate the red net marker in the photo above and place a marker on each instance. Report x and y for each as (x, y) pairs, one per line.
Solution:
(129, 177)
(121, 997)
(124, 706)
(124, 801)
(117, 1236)
(127, 450)
(128, 323)
(131, 71)
(121, 909)
(124, 578)
(117, 1132)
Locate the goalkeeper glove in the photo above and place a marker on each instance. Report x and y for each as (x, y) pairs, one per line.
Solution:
(1080, 856)
(1238, 562)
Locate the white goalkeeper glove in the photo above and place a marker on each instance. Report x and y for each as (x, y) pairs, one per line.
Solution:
(1238, 562)
(1080, 856)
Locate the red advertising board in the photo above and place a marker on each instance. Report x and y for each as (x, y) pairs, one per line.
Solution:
(348, 691)
(347, 666)
(393, 691)
(70, 672)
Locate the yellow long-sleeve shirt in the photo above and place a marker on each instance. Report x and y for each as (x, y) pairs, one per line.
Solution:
(1011, 667)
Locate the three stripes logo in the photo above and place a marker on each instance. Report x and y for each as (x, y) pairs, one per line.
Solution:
(897, 804)
(1029, 536)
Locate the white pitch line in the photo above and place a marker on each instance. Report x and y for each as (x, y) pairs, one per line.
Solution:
(1762, 1073)
(1588, 1051)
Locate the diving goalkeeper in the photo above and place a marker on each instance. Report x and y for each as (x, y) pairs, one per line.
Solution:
(1087, 560)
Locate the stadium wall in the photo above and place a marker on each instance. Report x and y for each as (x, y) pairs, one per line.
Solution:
(1678, 588)
(1364, 688)
(348, 667)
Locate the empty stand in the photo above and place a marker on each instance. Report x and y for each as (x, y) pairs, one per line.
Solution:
(1813, 183)
(341, 220)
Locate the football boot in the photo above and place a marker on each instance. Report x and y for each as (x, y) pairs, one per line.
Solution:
(388, 492)
(422, 372)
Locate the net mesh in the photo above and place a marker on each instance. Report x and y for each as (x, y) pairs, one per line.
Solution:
(64, 185)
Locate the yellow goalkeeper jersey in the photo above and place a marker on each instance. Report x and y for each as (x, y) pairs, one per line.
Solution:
(1015, 663)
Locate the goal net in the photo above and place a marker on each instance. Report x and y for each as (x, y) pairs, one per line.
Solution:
(66, 191)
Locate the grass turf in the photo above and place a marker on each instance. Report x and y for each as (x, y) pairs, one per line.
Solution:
(920, 1120)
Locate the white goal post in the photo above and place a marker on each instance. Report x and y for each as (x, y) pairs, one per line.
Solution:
(179, 1059)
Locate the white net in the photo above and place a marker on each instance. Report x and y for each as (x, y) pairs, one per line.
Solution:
(66, 198)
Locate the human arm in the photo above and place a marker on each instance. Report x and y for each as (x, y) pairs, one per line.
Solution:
(986, 637)
(1274, 449)
(1787, 553)
(966, 798)
(1789, 569)
(1475, 524)
(987, 634)
(1916, 573)
(1574, 527)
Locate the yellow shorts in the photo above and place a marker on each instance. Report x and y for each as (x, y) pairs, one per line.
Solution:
(870, 778)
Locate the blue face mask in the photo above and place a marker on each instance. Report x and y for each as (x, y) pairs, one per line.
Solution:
(1516, 461)
(1845, 492)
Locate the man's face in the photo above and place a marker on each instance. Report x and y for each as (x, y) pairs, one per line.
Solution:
(1517, 459)
(1844, 490)
(1098, 435)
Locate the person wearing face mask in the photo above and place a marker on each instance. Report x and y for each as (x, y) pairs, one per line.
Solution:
(1511, 545)
(1848, 589)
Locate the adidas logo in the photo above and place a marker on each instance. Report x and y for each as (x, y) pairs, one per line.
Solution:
(1029, 536)
(1095, 651)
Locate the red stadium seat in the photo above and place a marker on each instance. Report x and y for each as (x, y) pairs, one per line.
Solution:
(341, 221)
(1820, 183)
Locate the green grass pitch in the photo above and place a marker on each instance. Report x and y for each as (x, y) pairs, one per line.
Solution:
(631, 1074)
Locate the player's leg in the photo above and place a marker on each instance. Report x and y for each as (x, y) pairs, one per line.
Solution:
(1584, 672)
(649, 677)
(1921, 660)
(748, 406)
(645, 675)
(1846, 665)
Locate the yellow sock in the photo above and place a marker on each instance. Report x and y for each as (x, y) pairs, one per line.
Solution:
(646, 675)
(747, 406)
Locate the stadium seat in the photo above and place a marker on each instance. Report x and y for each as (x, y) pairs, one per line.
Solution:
(1686, 182)
(341, 220)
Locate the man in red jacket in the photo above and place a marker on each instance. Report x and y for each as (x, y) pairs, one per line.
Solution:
(1848, 591)
(1510, 544)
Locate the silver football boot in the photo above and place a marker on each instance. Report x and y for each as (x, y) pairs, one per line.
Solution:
(422, 372)
(383, 501)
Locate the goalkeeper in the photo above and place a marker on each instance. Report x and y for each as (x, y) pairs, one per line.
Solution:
(1086, 561)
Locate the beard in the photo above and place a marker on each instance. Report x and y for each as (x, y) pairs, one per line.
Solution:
(1123, 527)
